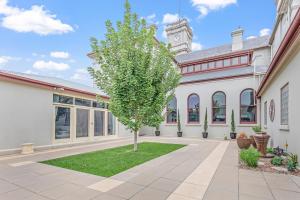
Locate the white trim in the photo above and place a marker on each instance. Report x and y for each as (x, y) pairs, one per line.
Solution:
(284, 127)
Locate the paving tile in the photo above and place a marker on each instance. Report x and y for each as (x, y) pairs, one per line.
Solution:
(6, 187)
(105, 185)
(218, 193)
(26, 179)
(21, 163)
(165, 184)
(255, 190)
(179, 197)
(251, 197)
(151, 194)
(126, 190)
(285, 195)
(107, 197)
(191, 190)
(281, 181)
(19, 194)
(81, 194)
(60, 190)
(125, 176)
(143, 179)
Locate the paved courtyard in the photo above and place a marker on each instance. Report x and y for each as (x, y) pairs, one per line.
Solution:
(201, 170)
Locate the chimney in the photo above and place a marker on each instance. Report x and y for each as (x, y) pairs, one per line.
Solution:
(237, 39)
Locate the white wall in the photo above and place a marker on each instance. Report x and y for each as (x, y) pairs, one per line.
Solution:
(231, 87)
(290, 74)
(25, 115)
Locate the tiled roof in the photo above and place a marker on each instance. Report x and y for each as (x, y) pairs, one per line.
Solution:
(222, 50)
(57, 82)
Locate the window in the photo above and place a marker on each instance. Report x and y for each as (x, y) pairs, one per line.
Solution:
(244, 60)
(99, 104)
(219, 63)
(284, 105)
(172, 111)
(184, 70)
(82, 122)
(83, 102)
(211, 65)
(235, 61)
(62, 122)
(247, 106)
(98, 123)
(193, 108)
(111, 124)
(227, 63)
(198, 67)
(190, 68)
(219, 107)
(62, 99)
(265, 113)
(204, 66)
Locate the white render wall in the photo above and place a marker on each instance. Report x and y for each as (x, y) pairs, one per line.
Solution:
(290, 74)
(25, 115)
(231, 87)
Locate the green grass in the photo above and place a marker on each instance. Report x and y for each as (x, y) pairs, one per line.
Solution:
(112, 161)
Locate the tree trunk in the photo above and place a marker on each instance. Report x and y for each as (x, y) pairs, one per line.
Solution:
(135, 146)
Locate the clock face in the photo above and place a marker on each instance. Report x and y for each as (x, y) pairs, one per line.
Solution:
(177, 37)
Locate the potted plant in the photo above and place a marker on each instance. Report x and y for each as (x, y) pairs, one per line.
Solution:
(205, 126)
(179, 132)
(232, 133)
(157, 131)
(243, 141)
(261, 139)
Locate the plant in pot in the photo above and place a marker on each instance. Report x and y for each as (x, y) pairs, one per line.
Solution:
(179, 132)
(205, 133)
(157, 131)
(261, 139)
(232, 133)
(243, 141)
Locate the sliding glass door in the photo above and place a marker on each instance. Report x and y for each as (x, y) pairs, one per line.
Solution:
(98, 123)
(62, 122)
(82, 123)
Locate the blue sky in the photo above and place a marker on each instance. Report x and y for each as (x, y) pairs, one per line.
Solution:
(51, 37)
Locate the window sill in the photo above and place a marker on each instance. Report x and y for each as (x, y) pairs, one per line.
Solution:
(223, 125)
(284, 128)
(170, 124)
(190, 124)
(247, 125)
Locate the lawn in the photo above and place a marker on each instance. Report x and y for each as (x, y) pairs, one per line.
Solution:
(112, 161)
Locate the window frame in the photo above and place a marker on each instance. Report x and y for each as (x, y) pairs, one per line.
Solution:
(254, 105)
(212, 108)
(266, 113)
(188, 119)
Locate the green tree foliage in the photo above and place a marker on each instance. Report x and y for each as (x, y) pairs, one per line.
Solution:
(135, 70)
(232, 122)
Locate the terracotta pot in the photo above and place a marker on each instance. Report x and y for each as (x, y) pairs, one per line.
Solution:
(243, 143)
(253, 141)
(261, 141)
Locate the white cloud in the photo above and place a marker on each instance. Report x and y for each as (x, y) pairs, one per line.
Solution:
(264, 32)
(170, 18)
(4, 60)
(50, 65)
(80, 75)
(36, 20)
(251, 37)
(196, 46)
(205, 6)
(31, 72)
(60, 54)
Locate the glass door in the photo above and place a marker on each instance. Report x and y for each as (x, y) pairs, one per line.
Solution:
(98, 123)
(62, 122)
(82, 123)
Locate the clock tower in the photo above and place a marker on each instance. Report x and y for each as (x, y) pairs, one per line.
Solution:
(179, 35)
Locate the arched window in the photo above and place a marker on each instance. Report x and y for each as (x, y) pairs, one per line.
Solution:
(193, 108)
(172, 111)
(247, 106)
(219, 107)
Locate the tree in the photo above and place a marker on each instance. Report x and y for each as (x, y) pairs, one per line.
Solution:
(136, 71)
(205, 122)
(232, 122)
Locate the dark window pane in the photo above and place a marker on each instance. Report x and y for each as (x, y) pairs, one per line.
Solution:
(62, 99)
(234, 61)
(111, 124)
(219, 107)
(244, 59)
(193, 108)
(227, 63)
(83, 102)
(62, 123)
(172, 111)
(98, 123)
(247, 97)
(99, 104)
(248, 107)
(82, 123)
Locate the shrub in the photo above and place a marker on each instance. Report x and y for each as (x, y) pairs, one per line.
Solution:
(250, 157)
(292, 162)
(256, 129)
(242, 135)
(270, 150)
(277, 161)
